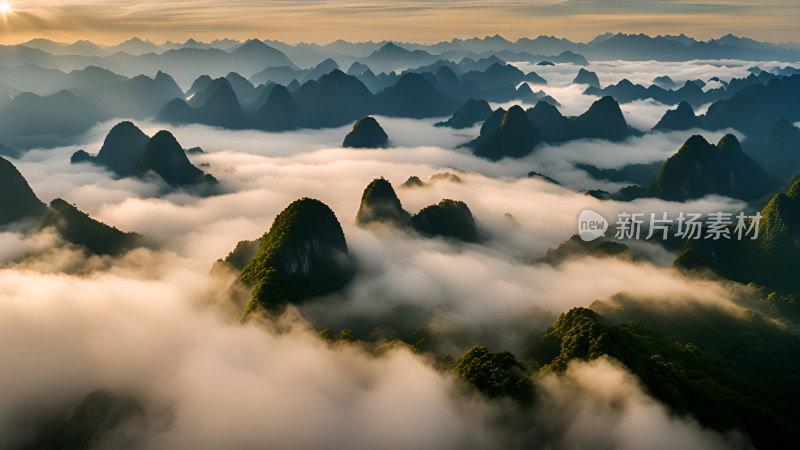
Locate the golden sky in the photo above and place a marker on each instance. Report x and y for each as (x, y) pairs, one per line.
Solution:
(112, 21)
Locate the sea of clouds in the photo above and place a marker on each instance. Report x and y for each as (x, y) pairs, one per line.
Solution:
(153, 323)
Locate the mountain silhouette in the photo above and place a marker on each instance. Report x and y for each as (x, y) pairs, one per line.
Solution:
(553, 126)
(17, 202)
(164, 156)
(603, 120)
(391, 57)
(489, 125)
(222, 108)
(335, 99)
(515, 137)
(138, 97)
(754, 109)
(32, 120)
(244, 89)
(780, 155)
(680, 118)
(324, 67)
(498, 75)
(366, 133)
(414, 96)
(586, 77)
(665, 82)
(216, 105)
(78, 228)
(472, 112)
(121, 149)
(279, 112)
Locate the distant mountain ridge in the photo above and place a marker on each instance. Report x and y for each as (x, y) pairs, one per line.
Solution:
(632, 46)
(516, 133)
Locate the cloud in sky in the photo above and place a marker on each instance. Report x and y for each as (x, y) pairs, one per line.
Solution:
(414, 20)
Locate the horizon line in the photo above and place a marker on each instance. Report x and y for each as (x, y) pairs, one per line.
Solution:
(371, 41)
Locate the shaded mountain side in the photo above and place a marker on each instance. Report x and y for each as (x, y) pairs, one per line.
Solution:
(680, 118)
(101, 420)
(222, 108)
(414, 96)
(279, 112)
(217, 105)
(139, 97)
(9, 152)
(472, 112)
(641, 174)
(691, 92)
(448, 218)
(333, 100)
(728, 372)
(303, 255)
(700, 168)
(121, 150)
(413, 182)
(17, 199)
(780, 155)
(489, 125)
(754, 109)
(575, 247)
(366, 133)
(586, 77)
(603, 120)
(515, 137)
(239, 257)
(244, 89)
(498, 75)
(553, 126)
(78, 228)
(164, 156)
(201, 97)
(31, 120)
(391, 57)
(379, 204)
(664, 81)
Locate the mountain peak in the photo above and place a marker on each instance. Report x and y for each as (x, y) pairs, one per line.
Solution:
(164, 156)
(699, 169)
(75, 226)
(586, 77)
(515, 137)
(303, 255)
(379, 203)
(472, 112)
(366, 133)
(17, 201)
(604, 119)
(448, 218)
(122, 148)
(729, 143)
(680, 118)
